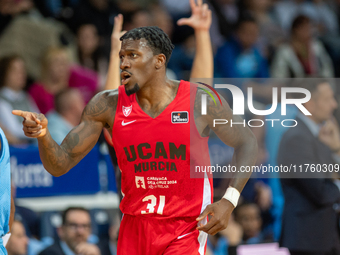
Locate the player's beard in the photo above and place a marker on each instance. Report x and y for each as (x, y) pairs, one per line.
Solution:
(133, 90)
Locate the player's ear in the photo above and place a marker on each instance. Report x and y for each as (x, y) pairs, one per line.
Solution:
(160, 61)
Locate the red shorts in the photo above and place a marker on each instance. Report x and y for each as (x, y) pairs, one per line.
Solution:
(141, 235)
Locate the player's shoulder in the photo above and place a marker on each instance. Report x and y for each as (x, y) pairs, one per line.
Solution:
(188, 84)
(105, 94)
(108, 96)
(102, 104)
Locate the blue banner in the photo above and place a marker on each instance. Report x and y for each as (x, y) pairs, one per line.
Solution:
(92, 174)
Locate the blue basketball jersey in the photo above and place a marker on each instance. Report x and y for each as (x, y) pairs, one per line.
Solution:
(5, 185)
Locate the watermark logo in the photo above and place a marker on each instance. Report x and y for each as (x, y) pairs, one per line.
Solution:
(238, 99)
(204, 97)
(239, 104)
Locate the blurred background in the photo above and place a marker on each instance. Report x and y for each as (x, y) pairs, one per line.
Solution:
(54, 57)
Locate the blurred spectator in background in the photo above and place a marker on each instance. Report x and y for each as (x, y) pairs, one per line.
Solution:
(58, 74)
(162, 19)
(239, 57)
(217, 245)
(62, 10)
(17, 244)
(55, 73)
(304, 56)
(270, 32)
(89, 52)
(109, 247)
(177, 8)
(321, 14)
(100, 13)
(309, 222)
(272, 137)
(323, 17)
(12, 96)
(227, 240)
(11, 8)
(137, 18)
(69, 106)
(248, 215)
(225, 16)
(30, 220)
(132, 5)
(29, 34)
(73, 234)
(182, 57)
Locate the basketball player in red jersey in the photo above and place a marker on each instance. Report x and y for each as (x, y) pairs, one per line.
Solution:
(149, 116)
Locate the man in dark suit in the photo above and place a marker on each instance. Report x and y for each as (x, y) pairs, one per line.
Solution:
(73, 234)
(309, 224)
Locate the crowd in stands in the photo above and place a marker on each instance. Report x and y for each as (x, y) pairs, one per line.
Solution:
(55, 55)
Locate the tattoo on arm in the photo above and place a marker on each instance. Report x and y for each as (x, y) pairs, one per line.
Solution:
(96, 109)
(81, 139)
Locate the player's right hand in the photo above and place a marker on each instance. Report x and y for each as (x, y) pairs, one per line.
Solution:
(200, 17)
(34, 124)
(117, 33)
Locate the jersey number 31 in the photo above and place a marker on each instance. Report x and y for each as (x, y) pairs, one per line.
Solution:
(153, 202)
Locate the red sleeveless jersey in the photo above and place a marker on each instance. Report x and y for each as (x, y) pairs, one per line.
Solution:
(154, 156)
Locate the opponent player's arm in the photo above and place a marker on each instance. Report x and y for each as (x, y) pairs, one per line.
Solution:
(11, 138)
(11, 216)
(200, 21)
(244, 143)
(59, 159)
(113, 72)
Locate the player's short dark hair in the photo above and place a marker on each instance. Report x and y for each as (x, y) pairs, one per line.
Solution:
(157, 39)
(73, 208)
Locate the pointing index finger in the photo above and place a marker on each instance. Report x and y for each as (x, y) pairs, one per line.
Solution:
(20, 113)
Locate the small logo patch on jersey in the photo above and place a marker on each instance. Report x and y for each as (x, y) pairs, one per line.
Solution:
(127, 110)
(140, 183)
(179, 117)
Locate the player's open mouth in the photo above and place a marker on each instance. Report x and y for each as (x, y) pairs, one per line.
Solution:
(125, 77)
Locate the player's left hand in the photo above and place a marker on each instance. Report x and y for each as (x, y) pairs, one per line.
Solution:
(200, 18)
(220, 213)
(87, 249)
